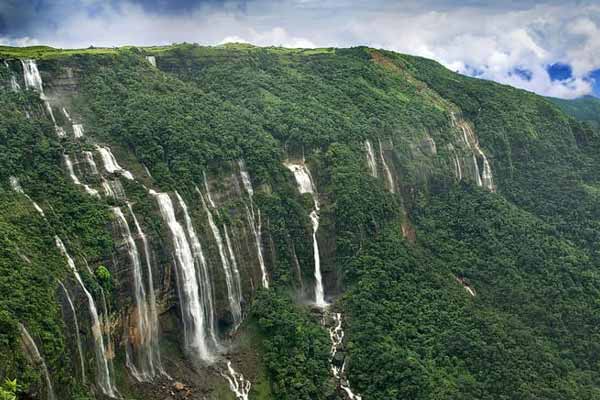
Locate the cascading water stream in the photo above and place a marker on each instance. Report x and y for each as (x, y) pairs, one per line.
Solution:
(204, 280)
(104, 378)
(33, 80)
(371, 158)
(89, 159)
(192, 310)
(36, 358)
(255, 225)
(75, 179)
(14, 85)
(77, 334)
(153, 341)
(16, 186)
(306, 185)
(151, 60)
(139, 355)
(237, 383)
(233, 296)
(388, 173)
(234, 266)
(77, 130)
(336, 335)
(110, 163)
(483, 178)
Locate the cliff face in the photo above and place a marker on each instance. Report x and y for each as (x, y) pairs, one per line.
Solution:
(198, 191)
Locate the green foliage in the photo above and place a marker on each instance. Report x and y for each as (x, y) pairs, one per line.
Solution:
(585, 108)
(8, 390)
(104, 277)
(296, 348)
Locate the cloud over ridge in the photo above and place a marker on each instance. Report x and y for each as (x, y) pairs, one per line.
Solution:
(510, 42)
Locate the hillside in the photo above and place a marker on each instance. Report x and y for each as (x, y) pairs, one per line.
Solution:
(191, 222)
(585, 108)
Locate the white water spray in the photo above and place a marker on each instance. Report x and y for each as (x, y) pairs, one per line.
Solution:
(187, 282)
(237, 383)
(306, 185)
(139, 354)
(233, 295)
(204, 280)
(110, 163)
(151, 60)
(254, 220)
(336, 335)
(75, 179)
(78, 130)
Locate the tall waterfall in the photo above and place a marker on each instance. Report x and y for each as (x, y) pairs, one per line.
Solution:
(234, 265)
(388, 173)
(371, 158)
(14, 85)
(104, 378)
(139, 352)
(233, 295)
(75, 179)
(33, 80)
(77, 334)
(110, 163)
(32, 76)
(306, 185)
(36, 358)
(192, 311)
(254, 220)
(204, 279)
(153, 341)
(483, 178)
(237, 383)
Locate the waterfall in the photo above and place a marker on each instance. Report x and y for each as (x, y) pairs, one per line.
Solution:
(110, 163)
(192, 311)
(306, 185)
(234, 266)
(388, 173)
(482, 178)
(66, 114)
(114, 189)
(14, 85)
(139, 355)
(104, 378)
(204, 280)
(153, 320)
(75, 179)
(371, 158)
(237, 383)
(36, 358)
(89, 159)
(77, 334)
(16, 186)
(33, 80)
(78, 130)
(255, 225)
(151, 60)
(233, 295)
(336, 335)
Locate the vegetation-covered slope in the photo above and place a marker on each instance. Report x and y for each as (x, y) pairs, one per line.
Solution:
(451, 283)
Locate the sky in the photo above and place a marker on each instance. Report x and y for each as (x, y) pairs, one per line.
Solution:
(550, 47)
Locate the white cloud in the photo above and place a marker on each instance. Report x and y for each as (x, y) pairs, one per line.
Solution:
(490, 40)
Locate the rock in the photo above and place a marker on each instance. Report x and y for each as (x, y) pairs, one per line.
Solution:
(179, 386)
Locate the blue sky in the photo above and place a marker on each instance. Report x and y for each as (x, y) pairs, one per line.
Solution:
(547, 46)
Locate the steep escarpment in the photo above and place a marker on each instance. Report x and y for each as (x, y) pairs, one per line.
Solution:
(238, 222)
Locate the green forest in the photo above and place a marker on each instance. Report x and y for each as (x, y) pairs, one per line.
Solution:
(448, 290)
